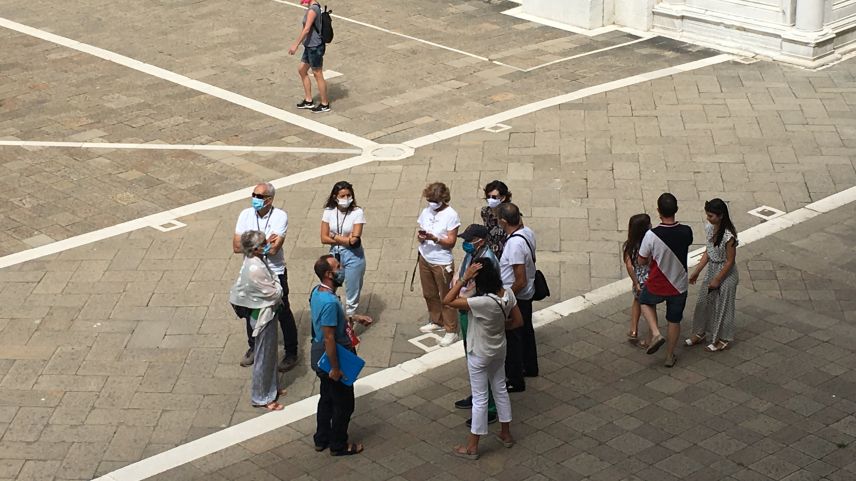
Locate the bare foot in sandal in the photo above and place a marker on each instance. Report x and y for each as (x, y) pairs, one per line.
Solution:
(271, 406)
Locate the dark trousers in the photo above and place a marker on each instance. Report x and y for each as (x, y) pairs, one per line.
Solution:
(514, 357)
(334, 414)
(529, 348)
(286, 322)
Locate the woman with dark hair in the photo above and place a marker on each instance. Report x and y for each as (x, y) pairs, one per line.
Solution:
(637, 227)
(490, 312)
(495, 193)
(341, 229)
(714, 312)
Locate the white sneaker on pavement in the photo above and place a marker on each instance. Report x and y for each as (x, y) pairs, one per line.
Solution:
(430, 327)
(449, 339)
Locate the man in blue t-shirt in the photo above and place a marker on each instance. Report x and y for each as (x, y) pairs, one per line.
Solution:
(330, 327)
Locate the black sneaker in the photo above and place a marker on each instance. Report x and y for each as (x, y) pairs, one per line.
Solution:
(465, 403)
(491, 418)
(320, 108)
(248, 358)
(306, 104)
(287, 363)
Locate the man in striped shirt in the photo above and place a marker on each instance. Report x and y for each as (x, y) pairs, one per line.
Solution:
(664, 249)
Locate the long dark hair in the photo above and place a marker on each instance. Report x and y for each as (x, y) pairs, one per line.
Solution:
(332, 203)
(487, 278)
(637, 227)
(718, 207)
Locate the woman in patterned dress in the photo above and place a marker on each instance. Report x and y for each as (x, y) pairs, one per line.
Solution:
(714, 312)
(495, 193)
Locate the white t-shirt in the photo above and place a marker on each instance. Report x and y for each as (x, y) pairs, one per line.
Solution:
(517, 252)
(343, 223)
(275, 222)
(439, 224)
(486, 323)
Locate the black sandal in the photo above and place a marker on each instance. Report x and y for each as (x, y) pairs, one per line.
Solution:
(349, 451)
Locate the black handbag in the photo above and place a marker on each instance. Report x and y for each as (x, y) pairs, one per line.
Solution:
(542, 290)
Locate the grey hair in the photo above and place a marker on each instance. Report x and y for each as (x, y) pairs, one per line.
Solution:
(250, 241)
(269, 189)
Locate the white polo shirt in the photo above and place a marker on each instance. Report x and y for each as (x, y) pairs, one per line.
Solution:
(439, 224)
(275, 222)
(517, 252)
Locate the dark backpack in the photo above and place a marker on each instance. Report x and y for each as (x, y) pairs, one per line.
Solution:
(326, 31)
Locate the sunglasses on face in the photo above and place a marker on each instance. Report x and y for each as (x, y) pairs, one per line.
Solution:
(259, 196)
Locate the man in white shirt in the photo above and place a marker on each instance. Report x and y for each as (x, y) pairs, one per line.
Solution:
(517, 268)
(264, 217)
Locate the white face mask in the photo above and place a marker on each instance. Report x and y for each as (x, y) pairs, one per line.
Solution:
(434, 205)
(345, 203)
(492, 203)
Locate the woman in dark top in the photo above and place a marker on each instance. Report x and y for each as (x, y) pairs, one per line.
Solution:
(495, 193)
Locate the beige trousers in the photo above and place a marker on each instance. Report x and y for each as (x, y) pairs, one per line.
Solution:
(436, 281)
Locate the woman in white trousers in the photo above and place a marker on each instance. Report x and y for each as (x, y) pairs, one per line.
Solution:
(490, 312)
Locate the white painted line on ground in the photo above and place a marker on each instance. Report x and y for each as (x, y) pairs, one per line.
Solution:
(255, 427)
(172, 214)
(495, 129)
(331, 74)
(417, 341)
(190, 83)
(392, 32)
(561, 99)
(766, 212)
(206, 147)
(169, 226)
(585, 54)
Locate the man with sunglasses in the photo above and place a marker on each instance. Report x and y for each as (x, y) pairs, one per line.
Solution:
(264, 217)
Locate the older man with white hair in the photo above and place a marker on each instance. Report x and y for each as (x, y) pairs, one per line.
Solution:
(264, 217)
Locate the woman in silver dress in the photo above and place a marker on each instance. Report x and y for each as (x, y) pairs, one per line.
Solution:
(256, 295)
(714, 312)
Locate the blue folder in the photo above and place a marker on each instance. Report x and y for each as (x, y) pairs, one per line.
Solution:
(349, 363)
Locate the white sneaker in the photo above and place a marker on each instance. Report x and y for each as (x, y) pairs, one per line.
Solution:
(449, 339)
(430, 327)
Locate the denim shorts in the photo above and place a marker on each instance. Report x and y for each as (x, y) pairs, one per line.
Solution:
(674, 304)
(314, 56)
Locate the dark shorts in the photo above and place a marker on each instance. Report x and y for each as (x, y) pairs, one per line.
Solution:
(314, 56)
(674, 304)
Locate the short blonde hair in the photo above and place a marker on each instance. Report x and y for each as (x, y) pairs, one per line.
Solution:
(437, 191)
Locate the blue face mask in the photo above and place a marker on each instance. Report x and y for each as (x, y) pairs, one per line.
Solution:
(339, 277)
(258, 204)
(469, 247)
(266, 249)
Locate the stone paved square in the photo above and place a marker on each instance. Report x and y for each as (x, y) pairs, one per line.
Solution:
(117, 342)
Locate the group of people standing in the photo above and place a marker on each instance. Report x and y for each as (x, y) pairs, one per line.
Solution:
(487, 301)
(656, 261)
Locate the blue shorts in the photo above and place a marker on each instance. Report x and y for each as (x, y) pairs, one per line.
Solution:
(674, 304)
(314, 56)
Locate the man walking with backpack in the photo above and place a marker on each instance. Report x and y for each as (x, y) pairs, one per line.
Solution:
(314, 45)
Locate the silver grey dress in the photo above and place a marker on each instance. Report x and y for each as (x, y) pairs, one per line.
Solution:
(258, 289)
(714, 311)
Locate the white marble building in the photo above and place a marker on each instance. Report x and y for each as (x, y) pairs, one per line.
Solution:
(804, 32)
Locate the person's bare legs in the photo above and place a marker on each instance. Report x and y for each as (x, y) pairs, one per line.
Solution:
(303, 71)
(505, 432)
(650, 315)
(672, 335)
(322, 85)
